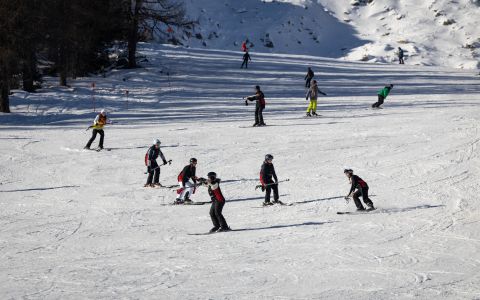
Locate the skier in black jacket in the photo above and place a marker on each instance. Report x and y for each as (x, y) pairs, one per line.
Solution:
(218, 201)
(246, 58)
(269, 180)
(259, 97)
(309, 77)
(153, 168)
(400, 56)
(187, 188)
(361, 186)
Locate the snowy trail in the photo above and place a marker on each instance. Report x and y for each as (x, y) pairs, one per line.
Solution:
(78, 224)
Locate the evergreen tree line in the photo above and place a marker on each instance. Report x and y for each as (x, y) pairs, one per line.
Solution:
(72, 36)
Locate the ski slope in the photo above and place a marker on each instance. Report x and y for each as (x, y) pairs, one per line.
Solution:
(432, 32)
(78, 224)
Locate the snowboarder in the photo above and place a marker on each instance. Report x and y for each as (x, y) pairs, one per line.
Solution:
(361, 188)
(100, 120)
(153, 169)
(259, 97)
(269, 180)
(187, 188)
(382, 95)
(312, 93)
(400, 56)
(309, 77)
(246, 58)
(218, 201)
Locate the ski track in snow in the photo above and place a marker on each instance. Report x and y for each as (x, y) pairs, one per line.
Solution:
(79, 224)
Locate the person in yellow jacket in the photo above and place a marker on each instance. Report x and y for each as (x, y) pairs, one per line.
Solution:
(312, 93)
(100, 121)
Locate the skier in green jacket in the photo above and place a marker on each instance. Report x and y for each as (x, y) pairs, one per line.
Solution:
(382, 95)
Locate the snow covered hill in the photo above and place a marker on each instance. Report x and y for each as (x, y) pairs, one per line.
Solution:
(433, 32)
(78, 224)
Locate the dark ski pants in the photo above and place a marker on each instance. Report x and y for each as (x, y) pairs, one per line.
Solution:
(400, 59)
(259, 114)
(94, 135)
(245, 63)
(268, 191)
(307, 82)
(379, 102)
(153, 173)
(216, 215)
(364, 193)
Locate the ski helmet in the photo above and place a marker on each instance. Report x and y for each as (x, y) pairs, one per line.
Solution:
(257, 87)
(193, 160)
(390, 85)
(350, 171)
(156, 142)
(268, 157)
(103, 112)
(212, 175)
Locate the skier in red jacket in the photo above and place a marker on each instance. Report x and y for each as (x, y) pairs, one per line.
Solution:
(218, 201)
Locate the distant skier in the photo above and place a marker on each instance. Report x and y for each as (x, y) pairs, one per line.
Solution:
(269, 180)
(259, 97)
(309, 77)
(382, 95)
(312, 93)
(244, 46)
(400, 56)
(361, 188)
(100, 120)
(218, 201)
(187, 187)
(153, 169)
(246, 58)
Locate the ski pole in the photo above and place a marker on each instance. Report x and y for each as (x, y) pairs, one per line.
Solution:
(169, 162)
(269, 184)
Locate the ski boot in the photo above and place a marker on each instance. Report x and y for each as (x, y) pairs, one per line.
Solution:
(157, 184)
(187, 201)
(86, 148)
(314, 114)
(308, 115)
(213, 230)
(178, 201)
(262, 124)
(370, 207)
(224, 229)
(148, 185)
(255, 125)
(267, 203)
(361, 208)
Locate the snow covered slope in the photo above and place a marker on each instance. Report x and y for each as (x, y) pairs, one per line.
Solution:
(78, 224)
(433, 32)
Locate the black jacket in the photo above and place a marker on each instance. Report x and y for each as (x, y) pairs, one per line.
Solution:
(266, 173)
(153, 154)
(357, 183)
(187, 173)
(310, 74)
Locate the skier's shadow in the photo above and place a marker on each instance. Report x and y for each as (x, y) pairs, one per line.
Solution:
(285, 226)
(42, 189)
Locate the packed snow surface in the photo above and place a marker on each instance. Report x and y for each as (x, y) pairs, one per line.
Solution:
(78, 224)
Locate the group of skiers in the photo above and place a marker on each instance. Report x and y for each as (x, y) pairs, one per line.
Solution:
(188, 181)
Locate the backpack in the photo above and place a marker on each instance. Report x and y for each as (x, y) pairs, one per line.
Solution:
(146, 158)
